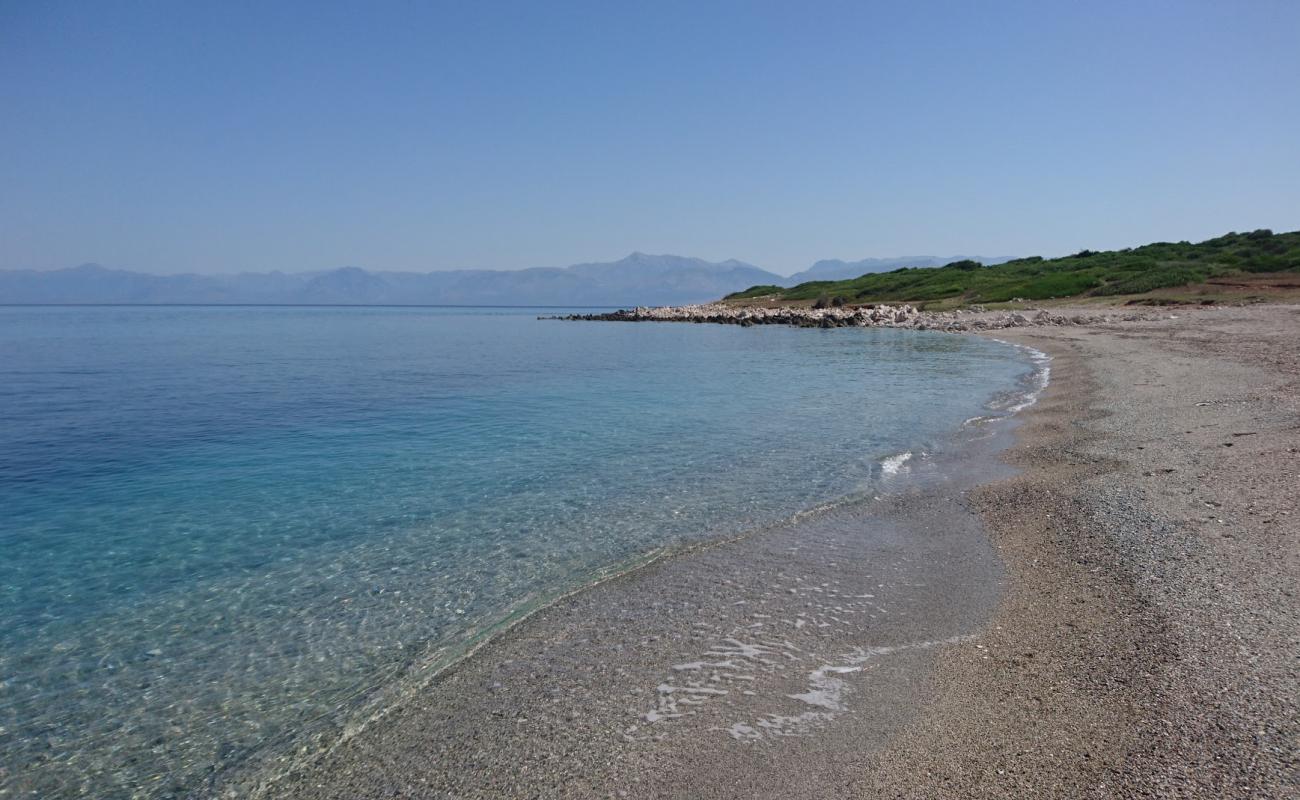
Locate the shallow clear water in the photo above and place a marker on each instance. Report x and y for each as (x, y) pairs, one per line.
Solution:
(224, 526)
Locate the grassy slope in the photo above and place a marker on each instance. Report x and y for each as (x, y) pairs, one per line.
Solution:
(1088, 274)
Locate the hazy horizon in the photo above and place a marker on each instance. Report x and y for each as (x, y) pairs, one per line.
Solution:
(416, 270)
(172, 139)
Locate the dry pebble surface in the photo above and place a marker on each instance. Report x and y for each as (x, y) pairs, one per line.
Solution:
(1148, 644)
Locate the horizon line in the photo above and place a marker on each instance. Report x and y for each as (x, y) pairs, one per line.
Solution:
(291, 305)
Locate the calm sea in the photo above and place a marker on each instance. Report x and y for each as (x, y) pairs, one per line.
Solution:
(225, 528)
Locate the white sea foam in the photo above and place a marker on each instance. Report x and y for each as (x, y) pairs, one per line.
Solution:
(892, 465)
(696, 665)
(1041, 377)
(742, 732)
(827, 692)
(664, 688)
(748, 662)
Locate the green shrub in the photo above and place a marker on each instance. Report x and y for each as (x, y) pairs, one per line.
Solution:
(1130, 271)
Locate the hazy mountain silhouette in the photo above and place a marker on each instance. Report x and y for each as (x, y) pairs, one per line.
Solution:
(638, 279)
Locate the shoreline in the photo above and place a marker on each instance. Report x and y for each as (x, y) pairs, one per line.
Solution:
(1119, 660)
(871, 315)
(622, 612)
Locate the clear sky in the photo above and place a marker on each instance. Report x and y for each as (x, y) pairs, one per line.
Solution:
(231, 136)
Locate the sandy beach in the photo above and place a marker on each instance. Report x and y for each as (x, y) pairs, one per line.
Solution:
(1107, 607)
(1147, 645)
(705, 401)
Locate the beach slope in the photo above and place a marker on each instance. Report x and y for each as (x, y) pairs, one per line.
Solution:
(1147, 644)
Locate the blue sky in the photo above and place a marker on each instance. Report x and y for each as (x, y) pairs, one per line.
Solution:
(223, 137)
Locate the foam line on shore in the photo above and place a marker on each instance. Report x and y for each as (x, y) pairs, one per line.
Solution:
(1042, 375)
(892, 465)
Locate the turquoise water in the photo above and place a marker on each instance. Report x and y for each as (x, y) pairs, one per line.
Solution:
(226, 528)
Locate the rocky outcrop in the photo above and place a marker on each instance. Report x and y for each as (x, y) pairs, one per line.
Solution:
(865, 316)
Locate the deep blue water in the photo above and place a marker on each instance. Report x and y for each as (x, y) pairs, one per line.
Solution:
(220, 526)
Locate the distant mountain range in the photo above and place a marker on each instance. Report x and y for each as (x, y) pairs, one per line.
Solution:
(638, 279)
(836, 270)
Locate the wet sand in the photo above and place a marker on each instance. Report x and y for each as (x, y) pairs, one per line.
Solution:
(1117, 619)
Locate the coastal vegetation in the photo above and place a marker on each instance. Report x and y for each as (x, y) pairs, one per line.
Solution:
(1087, 273)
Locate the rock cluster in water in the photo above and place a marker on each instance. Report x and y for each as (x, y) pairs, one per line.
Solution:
(873, 315)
